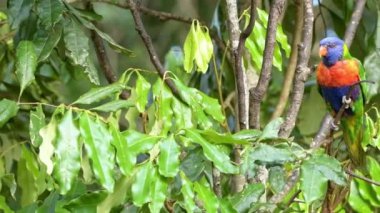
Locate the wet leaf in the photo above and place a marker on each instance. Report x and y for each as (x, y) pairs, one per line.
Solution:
(168, 160)
(8, 109)
(67, 164)
(49, 12)
(213, 153)
(98, 94)
(26, 63)
(97, 141)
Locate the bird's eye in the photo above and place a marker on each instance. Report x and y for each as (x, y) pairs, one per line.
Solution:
(331, 45)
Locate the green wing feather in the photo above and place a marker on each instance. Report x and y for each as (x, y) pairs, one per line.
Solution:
(353, 126)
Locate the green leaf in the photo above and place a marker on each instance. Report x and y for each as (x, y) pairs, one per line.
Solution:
(139, 143)
(219, 138)
(277, 179)
(46, 150)
(19, 10)
(98, 94)
(371, 65)
(26, 63)
(182, 114)
(141, 187)
(97, 141)
(46, 40)
(313, 183)
(187, 193)
(243, 200)
(114, 45)
(282, 39)
(49, 12)
(190, 48)
(200, 103)
(226, 206)
(164, 113)
(158, 192)
(168, 160)
(49, 203)
(277, 57)
(211, 106)
(270, 155)
(270, 131)
(27, 177)
(329, 167)
(4, 206)
(205, 49)
(204, 193)
(78, 49)
(76, 43)
(142, 91)
(356, 201)
(67, 163)
(220, 159)
(194, 164)
(367, 191)
(86, 202)
(8, 109)
(247, 134)
(37, 121)
(373, 167)
(117, 197)
(123, 156)
(114, 106)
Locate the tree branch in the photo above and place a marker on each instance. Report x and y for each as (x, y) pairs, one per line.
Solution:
(238, 180)
(302, 71)
(292, 180)
(163, 16)
(149, 46)
(351, 173)
(257, 94)
(103, 60)
(241, 81)
(288, 81)
(354, 22)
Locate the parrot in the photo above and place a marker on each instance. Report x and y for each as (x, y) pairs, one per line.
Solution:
(339, 75)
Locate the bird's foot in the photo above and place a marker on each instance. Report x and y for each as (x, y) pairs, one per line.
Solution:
(346, 101)
(335, 126)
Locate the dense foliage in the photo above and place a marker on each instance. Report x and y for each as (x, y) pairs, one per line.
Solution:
(71, 141)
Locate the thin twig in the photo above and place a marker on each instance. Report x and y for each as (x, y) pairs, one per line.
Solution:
(294, 196)
(351, 173)
(302, 71)
(149, 46)
(163, 16)
(257, 94)
(354, 22)
(288, 81)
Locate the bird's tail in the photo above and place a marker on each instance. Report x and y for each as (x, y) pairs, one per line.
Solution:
(353, 133)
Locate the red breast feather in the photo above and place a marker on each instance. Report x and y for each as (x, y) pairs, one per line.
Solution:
(342, 73)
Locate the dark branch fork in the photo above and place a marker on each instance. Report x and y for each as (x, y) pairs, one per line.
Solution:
(257, 94)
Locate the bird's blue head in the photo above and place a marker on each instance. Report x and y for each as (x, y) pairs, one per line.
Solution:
(331, 50)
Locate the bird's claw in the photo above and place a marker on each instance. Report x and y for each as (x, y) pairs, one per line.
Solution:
(334, 126)
(346, 101)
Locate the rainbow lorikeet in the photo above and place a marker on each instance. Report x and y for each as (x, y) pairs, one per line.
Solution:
(337, 74)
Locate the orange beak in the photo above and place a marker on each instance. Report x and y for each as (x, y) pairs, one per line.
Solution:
(322, 51)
